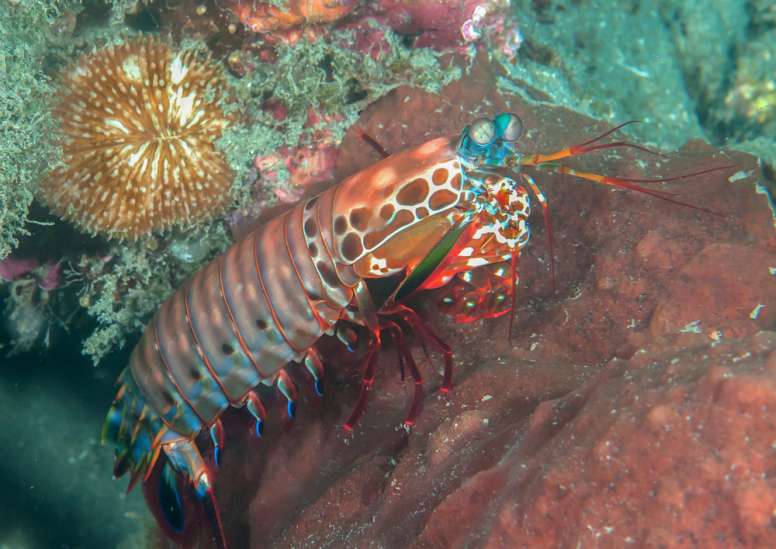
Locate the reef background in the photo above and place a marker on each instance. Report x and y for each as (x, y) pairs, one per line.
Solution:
(702, 70)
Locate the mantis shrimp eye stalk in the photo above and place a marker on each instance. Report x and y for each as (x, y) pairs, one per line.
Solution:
(476, 142)
(483, 132)
(509, 126)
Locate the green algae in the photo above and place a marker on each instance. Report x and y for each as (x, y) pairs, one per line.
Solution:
(26, 30)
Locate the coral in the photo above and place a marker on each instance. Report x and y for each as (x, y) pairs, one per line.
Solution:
(265, 17)
(305, 166)
(138, 124)
(30, 308)
(47, 276)
(330, 76)
(25, 29)
(12, 268)
(25, 318)
(121, 8)
(35, 309)
(440, 24)
(490, 21)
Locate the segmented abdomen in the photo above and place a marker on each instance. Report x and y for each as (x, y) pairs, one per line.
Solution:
(241, 319)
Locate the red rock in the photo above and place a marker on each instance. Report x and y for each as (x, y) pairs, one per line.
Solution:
(663, 253)
(722, 288)
(661, 464)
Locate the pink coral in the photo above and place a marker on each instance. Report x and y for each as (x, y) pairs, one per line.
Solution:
(49, 276)
(46, 276)
(307, 165)
(12, 268)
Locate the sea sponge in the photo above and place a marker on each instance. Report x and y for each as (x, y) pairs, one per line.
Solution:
(138, 125)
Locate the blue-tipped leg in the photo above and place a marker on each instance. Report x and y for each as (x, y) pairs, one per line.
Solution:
(288, 388)
(314, 365)
(217, 436)
(347, 336)
(256, 408)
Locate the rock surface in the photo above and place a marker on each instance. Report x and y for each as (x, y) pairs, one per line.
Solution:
(632, 405)
(673, 447)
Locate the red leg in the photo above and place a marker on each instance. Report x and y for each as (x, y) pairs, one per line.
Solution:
(405, 356)
(367, 381)
(427, 333)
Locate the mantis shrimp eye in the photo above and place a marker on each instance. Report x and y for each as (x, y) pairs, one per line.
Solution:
(509, 126)
(482, 132)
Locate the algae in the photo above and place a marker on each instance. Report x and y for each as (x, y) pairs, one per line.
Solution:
(26, 29)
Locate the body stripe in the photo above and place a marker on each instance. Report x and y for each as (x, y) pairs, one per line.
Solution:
(270, 307)
(186, 365)
(168, 370)
(199, 348)
(232, 321)
(217, 339)
(326, 245)
(337, 295)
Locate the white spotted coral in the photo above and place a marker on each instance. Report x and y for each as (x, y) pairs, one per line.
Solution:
(138, 125)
